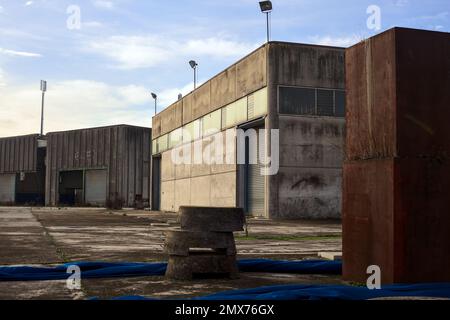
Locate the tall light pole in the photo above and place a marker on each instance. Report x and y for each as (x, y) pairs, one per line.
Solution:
(154, 96)
(43, 89)
(194, 66)
(266, 7)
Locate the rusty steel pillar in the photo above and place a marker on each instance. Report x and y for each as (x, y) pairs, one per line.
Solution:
(396, 185)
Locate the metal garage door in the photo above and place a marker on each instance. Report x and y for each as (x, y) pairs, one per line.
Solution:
(256, 183)
(7, 188)
(95, 187)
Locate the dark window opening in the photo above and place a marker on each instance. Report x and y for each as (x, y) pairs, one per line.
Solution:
(309, 101)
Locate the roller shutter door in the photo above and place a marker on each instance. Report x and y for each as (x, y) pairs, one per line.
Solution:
(256, 183)
(7, 188)
(95, 187)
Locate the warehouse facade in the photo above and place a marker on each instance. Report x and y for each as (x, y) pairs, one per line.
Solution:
(106, 166)
(294, 89)
(99, 166)
(22, 170)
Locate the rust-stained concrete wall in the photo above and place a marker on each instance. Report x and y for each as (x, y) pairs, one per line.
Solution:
(310, 176)
(308, 184)
(244, 77)
(125, 151)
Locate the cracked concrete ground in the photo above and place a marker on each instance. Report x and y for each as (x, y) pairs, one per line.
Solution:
(48, 236)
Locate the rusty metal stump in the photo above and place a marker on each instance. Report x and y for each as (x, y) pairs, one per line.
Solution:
(205, 246)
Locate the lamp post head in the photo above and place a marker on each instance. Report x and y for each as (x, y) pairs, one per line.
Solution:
(43, 85)
(193, 64)
(266, 6)
(154, 96)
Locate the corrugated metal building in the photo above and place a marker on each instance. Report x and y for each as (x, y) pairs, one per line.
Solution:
(22, 170)
(99, 165)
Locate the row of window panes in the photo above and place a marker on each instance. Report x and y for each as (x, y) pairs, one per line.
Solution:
(309, 101)
(242, 110)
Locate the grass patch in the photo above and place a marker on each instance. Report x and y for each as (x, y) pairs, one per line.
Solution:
(289, 238)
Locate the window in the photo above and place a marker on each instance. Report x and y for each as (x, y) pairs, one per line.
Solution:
(175, 137)
(257, 104)
(299, 101)
(192, 131)
(325, 102)
(234, 113)
(212, 122)
(155, 146)
(340, 103)
(163, 143)
(160, 144)
(310, 101)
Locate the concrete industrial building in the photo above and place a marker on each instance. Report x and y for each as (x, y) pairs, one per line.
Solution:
(96, 166)
(296, 88)
(22, 170)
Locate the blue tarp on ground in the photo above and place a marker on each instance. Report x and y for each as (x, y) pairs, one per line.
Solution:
(89, 270)
(281, 292)
(332, 292)
(324, 292)
(108, 270)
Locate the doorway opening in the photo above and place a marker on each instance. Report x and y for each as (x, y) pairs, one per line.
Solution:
(156, 183)
(71, 188)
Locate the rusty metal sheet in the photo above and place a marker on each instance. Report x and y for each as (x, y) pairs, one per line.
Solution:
(370, 100)
(396, 181)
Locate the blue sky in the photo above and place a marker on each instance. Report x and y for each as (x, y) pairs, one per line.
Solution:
(103, 72)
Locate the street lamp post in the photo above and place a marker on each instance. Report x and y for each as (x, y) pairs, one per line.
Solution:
(266, 7)
(43, 89)
(194, 66)
(154, 96)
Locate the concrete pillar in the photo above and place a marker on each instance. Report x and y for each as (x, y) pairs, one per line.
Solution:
(272, 122)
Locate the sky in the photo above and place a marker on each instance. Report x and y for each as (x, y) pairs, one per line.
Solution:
(103, 58)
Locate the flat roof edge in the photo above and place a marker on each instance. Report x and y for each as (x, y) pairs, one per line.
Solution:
(101, 127)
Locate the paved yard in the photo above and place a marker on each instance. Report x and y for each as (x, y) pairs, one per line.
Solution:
(51, 236)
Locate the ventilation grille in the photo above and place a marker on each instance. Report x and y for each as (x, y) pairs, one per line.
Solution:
(251, 107)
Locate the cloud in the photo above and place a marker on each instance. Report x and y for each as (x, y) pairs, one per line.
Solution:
(103, 4)
(345, 41)
(169, 96)
(132, 52)
(78, 104)
(92, 24)
(14, 33)
(401, 3)
(438, 16)
(19, 53)
(2, 78)
(135, 52)
(1, 9)
(216, 47)
(28, 3)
